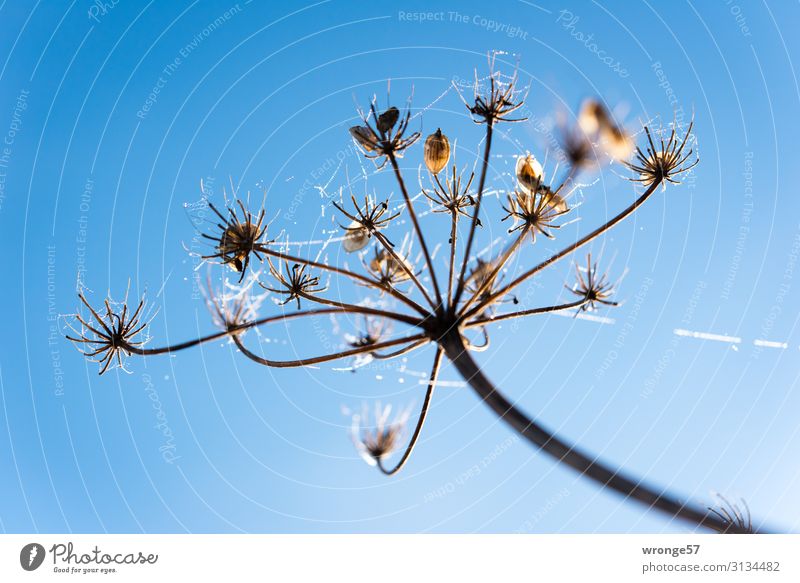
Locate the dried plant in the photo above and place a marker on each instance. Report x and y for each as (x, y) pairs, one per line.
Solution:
(430, 311)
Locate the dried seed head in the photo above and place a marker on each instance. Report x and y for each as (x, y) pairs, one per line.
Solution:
(294, 284)
(529, 173)
(388, 119)
(437, 152)
(365, 137)
(378, 441)
(665, 162)
(592, 286)
(553, 199)
(240, 237)
(735, 519)
(595, 120)
(356, 237)
(592, 117)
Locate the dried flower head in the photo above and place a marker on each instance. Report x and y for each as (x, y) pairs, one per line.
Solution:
(535, 212)
(437, 152)
(498, 103)
(663, 164)
(734, 518)
(374, 330)
(529, 173)
(389, 269)
(367, 220)
(453, 196)
(238, 238)
(113, 336)
(593, 288)
(234, 308)
(387, 136)
(376, 442)
(295, 282)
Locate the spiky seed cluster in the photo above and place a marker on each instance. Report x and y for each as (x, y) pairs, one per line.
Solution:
(663, 164)
(232, 312)
(295, 283)
(371, 334)
(365, 222)
(379, 441)
(535, 212)
(734, 518)
(453, 196)
(437, 152)
(594, 288)
(389, 270)
(497, 104)
(237, 238)
(386, 136)
(112, 336)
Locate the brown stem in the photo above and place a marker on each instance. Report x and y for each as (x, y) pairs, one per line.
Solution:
(325, 358)
(475, 217)
(437, 361)
(522, 313)
(567, 250)
(256, 323)
(567, 453)
(406, 269)
(332, 268)
(401, 351)
(417, 229)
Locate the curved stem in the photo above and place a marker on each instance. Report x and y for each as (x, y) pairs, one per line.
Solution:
(475, 217)
(320, 359)
(347, 273)
(567, 250)
(400, 351)
(353, 308)
(255, 324)
(437, 362)
(567, 453)
(410, 205)
(522, 313)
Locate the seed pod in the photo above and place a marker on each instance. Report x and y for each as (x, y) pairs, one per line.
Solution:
(356, 238)
(365, 137)
(553, 200)
(387, 119)
(616, 142)
(437, 152)
(593, 117)
(529, 173)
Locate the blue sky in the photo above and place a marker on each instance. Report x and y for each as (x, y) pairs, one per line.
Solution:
(111, 116)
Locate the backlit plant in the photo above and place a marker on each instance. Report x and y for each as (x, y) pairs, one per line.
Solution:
(435, 306)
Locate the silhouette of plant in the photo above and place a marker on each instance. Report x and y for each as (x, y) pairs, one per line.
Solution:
(441, 313)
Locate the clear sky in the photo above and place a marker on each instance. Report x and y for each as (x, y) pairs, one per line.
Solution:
(112, 113)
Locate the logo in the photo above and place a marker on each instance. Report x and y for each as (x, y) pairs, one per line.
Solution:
(31, 556)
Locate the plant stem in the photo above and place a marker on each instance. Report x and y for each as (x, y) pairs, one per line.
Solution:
(567, 453)
(406, 269)
(437, 361)
(325, 358)
(256, 323)
(522, 313)
(417, 229)
(567, 250)
(453, 235)
(475, 217)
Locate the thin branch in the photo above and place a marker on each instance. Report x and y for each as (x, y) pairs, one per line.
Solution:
(400, 351)
(417, 228)
(404, 266)
(475, 217)
(351, 274)
(522, 313)
(233, 330)
(567, 250)
(325, 358)
(568, 453)
(437, 361)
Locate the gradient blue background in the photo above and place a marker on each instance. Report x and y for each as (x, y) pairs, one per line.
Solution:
(266, 98)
